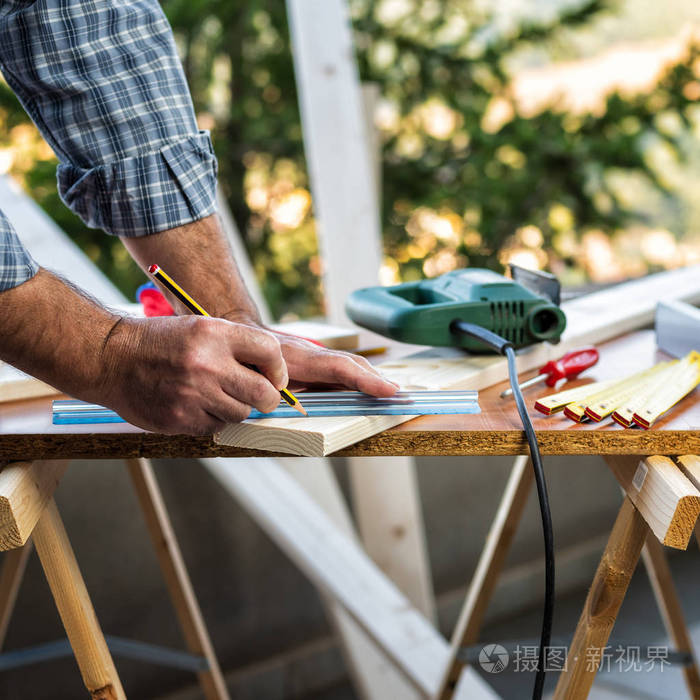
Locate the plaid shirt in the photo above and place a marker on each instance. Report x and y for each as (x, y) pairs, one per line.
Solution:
(103, 82)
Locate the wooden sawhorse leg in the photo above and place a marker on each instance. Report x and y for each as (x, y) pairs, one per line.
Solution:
(670, 607)
(74, 607)
(488, 569)
(14, 563)
(25, 503)
(603, 602)
(176, 578)
(660, 504)
(491, 561)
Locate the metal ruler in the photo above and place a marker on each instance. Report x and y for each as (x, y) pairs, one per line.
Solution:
(324, 404)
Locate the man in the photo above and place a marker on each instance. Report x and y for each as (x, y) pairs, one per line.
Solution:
(102, 81)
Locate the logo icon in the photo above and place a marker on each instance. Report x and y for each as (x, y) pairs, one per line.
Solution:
(493, 658)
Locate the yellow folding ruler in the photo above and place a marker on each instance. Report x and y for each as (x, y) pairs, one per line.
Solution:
(555, 402)
(670, 394)
(577, 411)
(638, 399)
(624, 391)
(624, 413)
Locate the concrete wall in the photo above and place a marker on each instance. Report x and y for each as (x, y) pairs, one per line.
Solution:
(265, 619)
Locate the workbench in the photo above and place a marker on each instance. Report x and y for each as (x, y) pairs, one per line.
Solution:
(27, 435)
(26, 431)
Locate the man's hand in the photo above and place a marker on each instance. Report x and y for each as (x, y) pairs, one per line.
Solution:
(197, 255)
(171, 375)
(309, 365)
(190, 374)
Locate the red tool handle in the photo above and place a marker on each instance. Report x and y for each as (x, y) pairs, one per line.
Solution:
(570, 365)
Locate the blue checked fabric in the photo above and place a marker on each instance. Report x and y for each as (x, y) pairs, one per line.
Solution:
(16, 265)
(103, 82)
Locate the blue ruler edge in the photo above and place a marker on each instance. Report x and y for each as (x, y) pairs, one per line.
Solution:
(317, 404)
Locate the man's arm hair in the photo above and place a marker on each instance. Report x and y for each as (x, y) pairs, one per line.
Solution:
(199, 258)
(57, 333)
(173, 375)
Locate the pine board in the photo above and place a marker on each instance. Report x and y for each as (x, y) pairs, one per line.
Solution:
(16, 385)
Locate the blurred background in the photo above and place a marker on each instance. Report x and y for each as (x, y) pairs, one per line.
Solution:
(559, 135)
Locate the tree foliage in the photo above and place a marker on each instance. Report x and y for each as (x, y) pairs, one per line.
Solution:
(466, 177)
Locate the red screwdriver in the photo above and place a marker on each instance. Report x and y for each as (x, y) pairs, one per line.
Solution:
(566, 367)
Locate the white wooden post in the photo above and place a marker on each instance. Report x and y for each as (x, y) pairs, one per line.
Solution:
(335, 140)
(342, 153)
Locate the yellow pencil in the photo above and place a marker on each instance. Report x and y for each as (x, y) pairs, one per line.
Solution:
(172, 286)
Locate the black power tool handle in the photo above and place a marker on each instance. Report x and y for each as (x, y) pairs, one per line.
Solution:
(485, 336)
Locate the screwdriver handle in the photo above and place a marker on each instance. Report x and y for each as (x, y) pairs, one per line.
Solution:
(570, 365)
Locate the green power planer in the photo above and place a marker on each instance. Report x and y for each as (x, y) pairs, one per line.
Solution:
(421, 313)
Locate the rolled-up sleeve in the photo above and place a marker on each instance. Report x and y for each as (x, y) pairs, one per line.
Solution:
(16, 265)
(103, 82)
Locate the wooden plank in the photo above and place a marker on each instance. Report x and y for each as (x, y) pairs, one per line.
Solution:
(667, 500)
(50, 246)
(385, 495)
(342, 151)
(670, 608)
(489, 567)
(591, 319)
(16, 385)
(14, 564)
(371, 94)
(628, 306)
(387, 508)
(603, 603)
(337, 565)
(25, 489)
(75, 608)
(373, 674)
(335, 142)
(690, 466)
(311, 437)
(176, 577)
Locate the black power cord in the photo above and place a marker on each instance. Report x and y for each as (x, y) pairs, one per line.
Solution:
(505, 347)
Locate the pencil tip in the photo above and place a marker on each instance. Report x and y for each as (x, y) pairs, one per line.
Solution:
(300, 408)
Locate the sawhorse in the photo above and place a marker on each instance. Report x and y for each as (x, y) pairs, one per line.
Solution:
(660, 507)
(27, 509)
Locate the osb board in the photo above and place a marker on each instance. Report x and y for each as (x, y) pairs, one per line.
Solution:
(590, 319)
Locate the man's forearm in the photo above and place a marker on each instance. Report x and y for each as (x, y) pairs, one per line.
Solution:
(199, 258)
(55, 333)
(176, 375)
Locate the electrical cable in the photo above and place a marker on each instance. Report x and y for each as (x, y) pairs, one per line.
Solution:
(505, 347)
